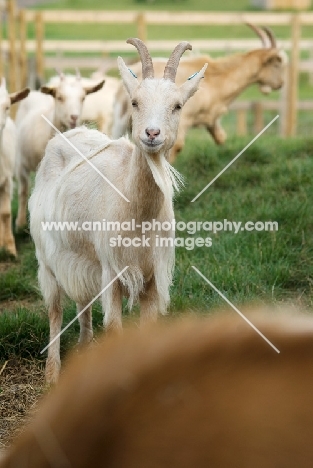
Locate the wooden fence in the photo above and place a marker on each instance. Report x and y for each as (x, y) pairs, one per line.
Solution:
(18, 48)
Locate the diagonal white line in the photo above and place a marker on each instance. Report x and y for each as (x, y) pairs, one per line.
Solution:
(84, 157)
(237, 310)
(78, 315)
(231, 162)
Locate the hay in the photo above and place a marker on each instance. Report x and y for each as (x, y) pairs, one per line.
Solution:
(21, 387)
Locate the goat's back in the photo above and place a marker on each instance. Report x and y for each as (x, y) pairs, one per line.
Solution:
(202, 393)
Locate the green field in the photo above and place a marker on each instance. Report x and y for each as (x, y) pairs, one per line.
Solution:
(271, 181)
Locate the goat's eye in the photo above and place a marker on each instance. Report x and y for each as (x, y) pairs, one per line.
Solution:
(134, 103)
(177, 107)
(60, 98)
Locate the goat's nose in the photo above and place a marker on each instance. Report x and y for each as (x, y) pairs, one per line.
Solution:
(152, 132)
(74, 117)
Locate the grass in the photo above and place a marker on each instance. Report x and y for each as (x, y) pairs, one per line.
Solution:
(202, 5)
(270, 181)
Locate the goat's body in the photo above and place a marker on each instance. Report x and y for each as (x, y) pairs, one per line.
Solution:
(198, 393)
(98, 107)
(82, 263)
(7, 162)
(32, 138)
(64, 167)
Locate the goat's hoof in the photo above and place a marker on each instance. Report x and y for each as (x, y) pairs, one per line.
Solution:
(20, 224)
(11, 248)
(220, 138)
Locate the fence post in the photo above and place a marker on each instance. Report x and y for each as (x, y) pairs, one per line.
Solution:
(291, 125)
(241, 122)
(310, 72)
(40, 67)
(12, 48)
(257, 110)
(23, 53)
(2, 71)
(141, 27)
(283, 105)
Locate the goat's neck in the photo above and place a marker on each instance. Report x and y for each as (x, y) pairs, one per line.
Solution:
(148, 185)
(240, 76)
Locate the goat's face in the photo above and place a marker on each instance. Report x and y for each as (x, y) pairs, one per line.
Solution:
(156, 107)
(7, 99)
(272, 72)
(69, 95)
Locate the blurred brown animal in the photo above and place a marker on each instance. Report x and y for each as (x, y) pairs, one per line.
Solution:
(196, 393)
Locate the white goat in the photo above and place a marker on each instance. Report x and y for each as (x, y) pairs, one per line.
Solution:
(7, 162)
(197, 393)
(67, 188)
(225, 80)
(62, 105)
(98, 106)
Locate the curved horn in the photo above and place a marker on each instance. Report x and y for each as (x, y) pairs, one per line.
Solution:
(60, 73)
(271, 36)
(145, 57)
(172, 63)
(261, 33)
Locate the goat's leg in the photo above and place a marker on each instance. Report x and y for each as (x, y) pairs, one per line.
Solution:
(218, 133)
(1, 221)
(52, 295)
(112, 304)
(21, 219)
(85, 322)
(6, 235)
(149, 303)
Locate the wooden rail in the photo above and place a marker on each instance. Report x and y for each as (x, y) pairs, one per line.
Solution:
(49, 53)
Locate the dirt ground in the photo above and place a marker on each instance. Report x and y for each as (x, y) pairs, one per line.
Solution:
(21, 387)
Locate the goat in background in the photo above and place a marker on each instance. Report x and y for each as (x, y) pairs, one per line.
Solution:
(7, 163)
(60, 103)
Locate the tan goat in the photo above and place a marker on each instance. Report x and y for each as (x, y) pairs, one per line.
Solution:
(224, 80)
(196, 393)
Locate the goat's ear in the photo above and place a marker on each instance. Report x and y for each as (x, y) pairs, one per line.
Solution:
(94, 89)
(271, 57)
(129, 78)
(15, 97)
(192, 84)
(48, 90)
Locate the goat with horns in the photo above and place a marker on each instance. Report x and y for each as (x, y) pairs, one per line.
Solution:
(83, 263)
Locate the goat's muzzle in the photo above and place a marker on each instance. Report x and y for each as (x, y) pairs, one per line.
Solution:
(152, 133)
(74, 119)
